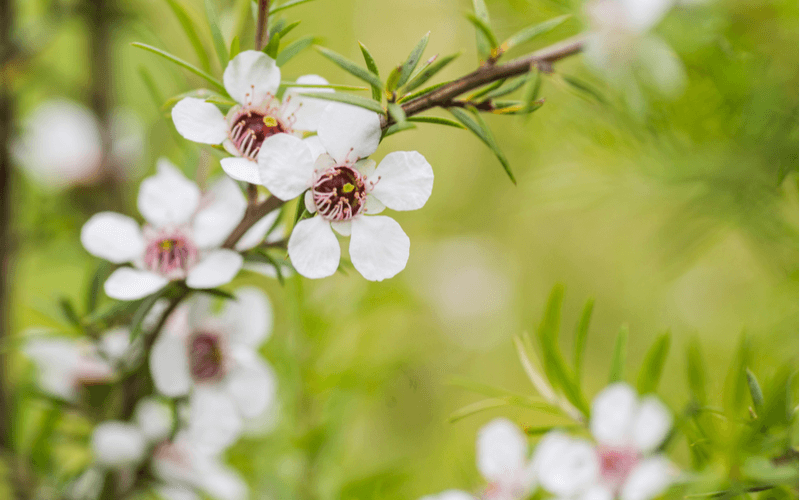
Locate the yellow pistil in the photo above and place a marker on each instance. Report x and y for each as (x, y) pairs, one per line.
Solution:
(270, 121)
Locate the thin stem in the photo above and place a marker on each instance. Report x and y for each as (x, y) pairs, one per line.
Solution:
(253, 214)
(444, 95)
(262, 36)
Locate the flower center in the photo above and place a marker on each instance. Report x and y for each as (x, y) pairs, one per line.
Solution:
(206, 357)
(616, 464)
(340, 193)
(170, 255)
(251, 127)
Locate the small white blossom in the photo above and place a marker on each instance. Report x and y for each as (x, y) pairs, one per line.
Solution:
(118, 444)
(623, 464)
(181, 239)
(345, 191)
(252, 79)
(213, 359)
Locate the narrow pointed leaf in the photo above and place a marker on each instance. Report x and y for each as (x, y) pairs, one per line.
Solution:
(205, 94)
(180, 62)
(216, 34)
(397, 127)
(421, 92)
(581, 333)
(271, 48)
(696, 372)
(141, 312)
(350, 66)
(393, 79)
(152, 88)
(69, 312)
(436, 120)
(653, 364)
(512, 86)
(483, 91)
(426, 73)
(355, 100)
(480, 129)
(407, 68)
(532, 89)
(294, 48)
(396, 112)
(285, 30)
(335, 86)
(482, 13)
(235, 48)
(755, 390)
(484, 29)
(527, 34)
(216, 292)
(619, 356)
(584, 88)
(285, 5)
(191, 30)
(373, 67)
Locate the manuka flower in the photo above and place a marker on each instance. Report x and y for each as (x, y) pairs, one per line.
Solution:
(213, 359)
(252, 79)
(181, 240)
(624, 463)
(345, 191)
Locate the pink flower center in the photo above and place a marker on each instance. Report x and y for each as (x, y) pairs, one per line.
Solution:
(616, 464)
(206, 357)
(340, 193)
(170, 254)
(251, 127)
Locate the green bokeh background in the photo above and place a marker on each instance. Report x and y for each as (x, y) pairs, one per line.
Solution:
(681, 218)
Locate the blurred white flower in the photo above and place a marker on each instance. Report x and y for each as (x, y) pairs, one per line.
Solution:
(212, 357)
(619, 45)
(343, 189)
(61, 144)
(118, 444)
(450, 495)
(623, 464)
(181, 239)
(252, 78)
(154, 418)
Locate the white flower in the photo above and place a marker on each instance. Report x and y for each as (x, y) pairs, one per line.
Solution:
(252, 79)
(345, 191)
(623, 463)
(503, 461)
(450, 495)
(181, 239)
(213, 358)
(64, 365)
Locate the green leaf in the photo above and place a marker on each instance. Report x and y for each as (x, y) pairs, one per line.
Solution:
(436, 120)
(480, 129)
(696, 373)
(421, 92)
(397, 127)
(485, 90)
(152, 88)
(350, 66)
(205, 94)
(539, 431)
(427, 72)
(291, 3)
(755, 390)
(373, 67)
(393, 78)
(355, 100)
(482, 13)
(216, 292)
(334, 86)
(396, 112)
(653, 364)
(736, 383)
(490, 403)
(584, 88)
(235, 46)
(618, 357)
(180, 62)
(285, 30)
(484, 29)
(581, 332)
(532, 90)
(514, 85)
(413, 59)
(271, 48)
(68, 311)
(141, 312)
(216, 34)
(191, 31)
(96, 283)
(527, 34)
(294, 48)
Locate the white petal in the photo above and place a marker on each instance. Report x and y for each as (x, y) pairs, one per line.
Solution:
(644, 14)
(249, 317)
(200, 121)
(502, 450)
(223, 208)
(403, 180)
(241, 169)
(127, 283)
(314, 249)
(373, 206)
(343, 228)
(660, 67)
(286, 166)
(651, 424)
(169, 365)
(308, 200)
(450, 495)
(256, 234)
(215, 422)
(378, 247)
(597, 492)
(366, 167)
(252, 383)
(174, 492)
(217, 268)
(116, 346)
(250, 76)
(309, 113)
(112, 236)
(57, 360)
(613, 411)
(154, 418)
(349, 133)
(649, 479)
(565, 466)
(315, 145)
(222, 482)
(167, 197)
(118, 444)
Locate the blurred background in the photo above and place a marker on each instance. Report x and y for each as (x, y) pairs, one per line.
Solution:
(679, 215)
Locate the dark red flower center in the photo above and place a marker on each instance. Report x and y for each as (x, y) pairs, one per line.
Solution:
(170, 256)
(340, 193)
(250, 128)
(205, 357)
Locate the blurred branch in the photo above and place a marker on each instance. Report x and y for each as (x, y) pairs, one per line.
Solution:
(253, 214)
(262, 36)
(444, 96)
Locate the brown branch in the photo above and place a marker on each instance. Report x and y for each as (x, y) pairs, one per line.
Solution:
(253, 214)
(444, 95)
(262, 36)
